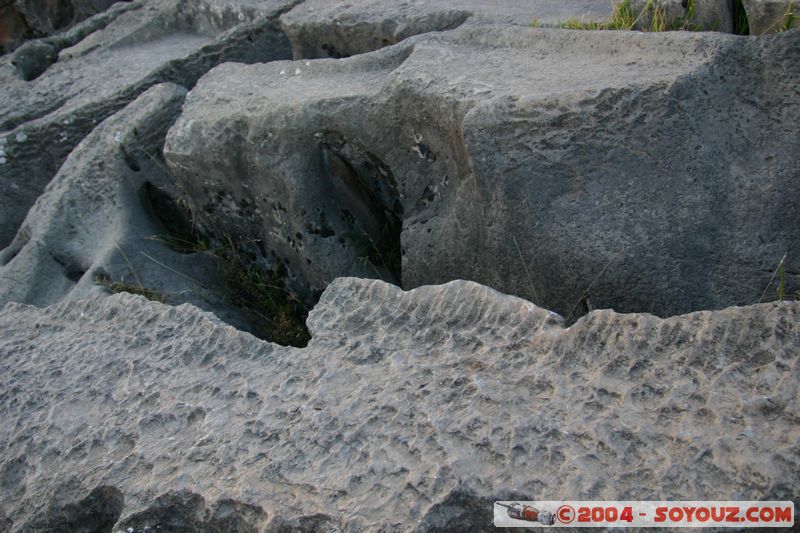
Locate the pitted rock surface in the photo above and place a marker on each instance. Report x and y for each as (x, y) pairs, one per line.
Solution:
(636, 171)
(319, 28)
(149, 42)
(408, 411)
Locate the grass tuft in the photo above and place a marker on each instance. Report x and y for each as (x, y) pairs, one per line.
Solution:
(117, 287)
(780, 290)
(789, 18)
(651, 18)
(741, 24)
(277, 314)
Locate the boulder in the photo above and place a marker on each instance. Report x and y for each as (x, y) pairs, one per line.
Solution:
(320, 28)
(108, 220)
(146, 43)
(35, 56)
(408, 411)
(45, 17)
(768, 16)
(650, 172)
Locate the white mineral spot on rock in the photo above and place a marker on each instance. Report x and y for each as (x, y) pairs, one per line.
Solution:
(297, 72)
(283, 73)
(21, 137)
(118, 137)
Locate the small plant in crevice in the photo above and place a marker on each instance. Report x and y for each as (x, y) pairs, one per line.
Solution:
(386, 253)
(277, 313)
(780, 288)
(789, 18)
(652, 17)
(741, 24)
(273, 312)
(117, 287)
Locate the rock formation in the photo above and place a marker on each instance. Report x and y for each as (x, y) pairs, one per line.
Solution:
(645, 172)
(245, 163)
(149, 43)
(408, 411)
(21, 19)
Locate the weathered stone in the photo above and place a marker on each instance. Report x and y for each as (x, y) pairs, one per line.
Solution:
(639, 172)
(186, 512)
(319, 28)
(97, 512)
(33, 58)
(13, 29)
(768, 16)
(23, 19)
(99, 220)
(153, 41)
(409, 411)
(45, 17)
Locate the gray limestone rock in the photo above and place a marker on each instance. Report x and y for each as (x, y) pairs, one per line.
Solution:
(320, 28)
(34, 57)
(624, 170)
(107, 218)
(767, 16)
(153, 41)
(408, 411)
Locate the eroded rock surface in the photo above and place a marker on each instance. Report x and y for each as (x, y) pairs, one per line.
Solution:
(640, 172)
(579, 169)
(109, 220)
(319, 28)
(408, 411)
(45, 18)
(22, 19)
(153, 41)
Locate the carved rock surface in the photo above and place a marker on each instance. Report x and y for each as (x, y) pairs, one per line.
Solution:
(639, 172)
(146, 43)
(408, 411)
